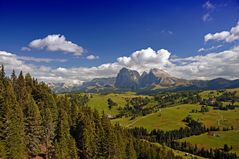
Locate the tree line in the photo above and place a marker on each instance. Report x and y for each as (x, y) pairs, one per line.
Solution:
(34, 122)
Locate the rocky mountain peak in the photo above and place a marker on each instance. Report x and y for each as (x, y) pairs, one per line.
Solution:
(127, 79)
(159, 73)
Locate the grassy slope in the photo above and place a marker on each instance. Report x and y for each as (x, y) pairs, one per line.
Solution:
(171, 118)
(176, 152)
(223, 137)
(165, 119)
(219, 118)
(99, 102)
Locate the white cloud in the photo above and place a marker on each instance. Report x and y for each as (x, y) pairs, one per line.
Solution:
(92, 57)
(25, 49)
(34, 59)
(209, 7)
(209, 49)
(146, 58)
(10, 61)
(169, 32)
(207, 17)
(55, 42)
(227, 36)
(211, 65)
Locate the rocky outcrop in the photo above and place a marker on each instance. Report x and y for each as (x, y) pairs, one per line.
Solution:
(127, 79)
(161, 77)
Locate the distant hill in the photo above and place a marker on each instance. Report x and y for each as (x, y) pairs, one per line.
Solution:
(156, 80)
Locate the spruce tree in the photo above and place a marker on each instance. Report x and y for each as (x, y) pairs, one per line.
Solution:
(33, 127)
(130, 151)
(65, 145)
(48, 133)
(15, 125)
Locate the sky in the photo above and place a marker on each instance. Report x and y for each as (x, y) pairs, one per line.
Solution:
(74, 41)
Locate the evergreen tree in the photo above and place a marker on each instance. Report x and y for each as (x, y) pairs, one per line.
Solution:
(2, 73)
(15, 125)
(65, 146)
(130, 151)
(48, 134)
(33, 127)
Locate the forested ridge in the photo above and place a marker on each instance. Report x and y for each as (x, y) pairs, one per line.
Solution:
(36, 123)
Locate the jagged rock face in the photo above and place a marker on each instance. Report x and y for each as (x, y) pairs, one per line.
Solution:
(127, 79)
(157, 76)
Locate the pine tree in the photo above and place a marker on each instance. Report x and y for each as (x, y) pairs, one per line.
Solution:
(3, 152)
(3, 113)
(86, 135)
(48, 133)
(15, 125)
(65, 146)
(130, 151)
(2, 73)
(62, 135)
(73, 154)
(29, 83)
(14, 79)
(108, 138)
(33, 127)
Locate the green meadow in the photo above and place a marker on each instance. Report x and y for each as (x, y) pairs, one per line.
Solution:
(171, 118)
(165, 119)
(99, 102)
(231, 138)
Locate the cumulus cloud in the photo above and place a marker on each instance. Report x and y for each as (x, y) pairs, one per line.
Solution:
(211, 65)
(227, 36)
(92, 57)
(146, 58)
(11, 61)
(209, 8)
(55, 42)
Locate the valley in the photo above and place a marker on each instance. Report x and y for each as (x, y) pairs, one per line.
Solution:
(170, 116)
(119, 79)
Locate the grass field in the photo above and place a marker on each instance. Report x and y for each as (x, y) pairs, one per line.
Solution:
(219, 118)
(176, 152)
(230, 138)
(215, 93)
(99, 102)
(171, 118)
(165, 119)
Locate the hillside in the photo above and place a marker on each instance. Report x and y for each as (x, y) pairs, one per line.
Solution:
(168, 112)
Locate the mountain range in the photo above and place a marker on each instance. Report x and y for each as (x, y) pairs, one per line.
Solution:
(154, 81)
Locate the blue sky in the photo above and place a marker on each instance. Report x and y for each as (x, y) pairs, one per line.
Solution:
(109, 29)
